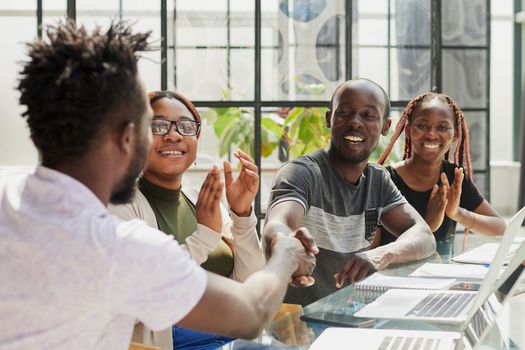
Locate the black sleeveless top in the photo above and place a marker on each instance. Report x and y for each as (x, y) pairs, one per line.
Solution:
(470, 200)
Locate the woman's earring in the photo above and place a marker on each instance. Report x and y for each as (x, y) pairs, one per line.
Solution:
(195, 164)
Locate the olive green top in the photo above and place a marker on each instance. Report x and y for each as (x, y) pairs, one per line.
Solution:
(176, 216)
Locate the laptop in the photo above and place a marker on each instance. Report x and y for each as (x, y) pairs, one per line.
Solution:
(448, 306)
(478, 328)
(383, 339)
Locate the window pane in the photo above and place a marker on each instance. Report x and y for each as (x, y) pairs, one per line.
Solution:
(307, 39)
(214, 57)
(241, 69)
(372, 63)
(370, 22)
(19, 5)
(410, 73)
(410, 23)
(464, 22)
(144, 20)
(477, 128)
(465, 77)
(201, 73)
(288, 133)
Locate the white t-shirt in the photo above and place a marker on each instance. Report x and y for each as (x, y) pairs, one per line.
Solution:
(72, 276)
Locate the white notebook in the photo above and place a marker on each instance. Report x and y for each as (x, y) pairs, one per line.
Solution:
(485, 253)
(380, 282)
(459, 271)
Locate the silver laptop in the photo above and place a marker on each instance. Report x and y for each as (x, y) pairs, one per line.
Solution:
(383, 339)
(450, 306)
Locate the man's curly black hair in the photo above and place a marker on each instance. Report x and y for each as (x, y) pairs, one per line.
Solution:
(76, 84)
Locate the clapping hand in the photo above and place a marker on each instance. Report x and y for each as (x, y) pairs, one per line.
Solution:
(437, 204)
(208, 206)
(241, 192)
(454, 194)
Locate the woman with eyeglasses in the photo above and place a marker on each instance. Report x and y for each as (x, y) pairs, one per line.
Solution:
(226, 245)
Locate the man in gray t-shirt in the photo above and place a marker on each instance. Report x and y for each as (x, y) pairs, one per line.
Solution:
(340, 198)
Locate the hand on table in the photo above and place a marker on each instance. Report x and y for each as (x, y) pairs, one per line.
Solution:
(355, 269)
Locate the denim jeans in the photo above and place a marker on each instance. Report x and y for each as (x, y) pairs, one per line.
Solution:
(187, 339)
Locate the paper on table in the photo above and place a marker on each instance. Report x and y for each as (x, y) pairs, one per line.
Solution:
(486, 252)
(380, 282)
(452, 271)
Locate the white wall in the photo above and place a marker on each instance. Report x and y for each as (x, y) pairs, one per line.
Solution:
(504, 182)
(15, 145)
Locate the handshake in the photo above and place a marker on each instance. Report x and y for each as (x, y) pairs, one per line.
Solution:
(299, 248)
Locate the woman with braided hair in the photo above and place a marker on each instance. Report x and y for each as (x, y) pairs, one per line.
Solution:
(439, 190)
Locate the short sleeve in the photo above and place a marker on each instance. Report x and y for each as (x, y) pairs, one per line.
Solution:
(392, 196)
(292, 182)
(152, 278)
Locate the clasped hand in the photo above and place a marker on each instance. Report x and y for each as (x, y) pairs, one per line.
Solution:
(299, 245)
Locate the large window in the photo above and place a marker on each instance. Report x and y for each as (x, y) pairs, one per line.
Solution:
(266, 69)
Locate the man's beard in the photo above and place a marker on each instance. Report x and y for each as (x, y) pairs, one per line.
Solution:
(350, 158)
(125, 190)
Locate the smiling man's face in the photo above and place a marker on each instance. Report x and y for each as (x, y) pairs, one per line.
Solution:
(356, 120)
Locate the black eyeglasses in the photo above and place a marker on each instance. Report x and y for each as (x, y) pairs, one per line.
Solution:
(184, 127)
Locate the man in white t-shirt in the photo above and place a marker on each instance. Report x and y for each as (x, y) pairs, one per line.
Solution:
(74, 276)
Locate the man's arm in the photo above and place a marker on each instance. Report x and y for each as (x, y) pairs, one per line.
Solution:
(415, 240)
(242, 310)
(284, 217)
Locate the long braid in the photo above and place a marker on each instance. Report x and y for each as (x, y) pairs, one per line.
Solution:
(401, 125)
(462, 152)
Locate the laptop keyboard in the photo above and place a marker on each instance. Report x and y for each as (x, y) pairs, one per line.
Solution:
(408, 343)
(442, 305)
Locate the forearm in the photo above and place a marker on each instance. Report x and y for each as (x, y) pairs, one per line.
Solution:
(484, 224)
(242, 310)
(284, 218)
(268, 286)
(248, 255)
(416, 243)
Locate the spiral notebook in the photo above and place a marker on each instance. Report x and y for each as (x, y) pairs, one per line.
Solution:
(379, 282)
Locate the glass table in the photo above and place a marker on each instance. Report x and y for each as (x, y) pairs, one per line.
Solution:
(348, 300)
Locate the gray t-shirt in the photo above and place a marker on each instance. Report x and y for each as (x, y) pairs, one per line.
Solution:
(342, 217)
